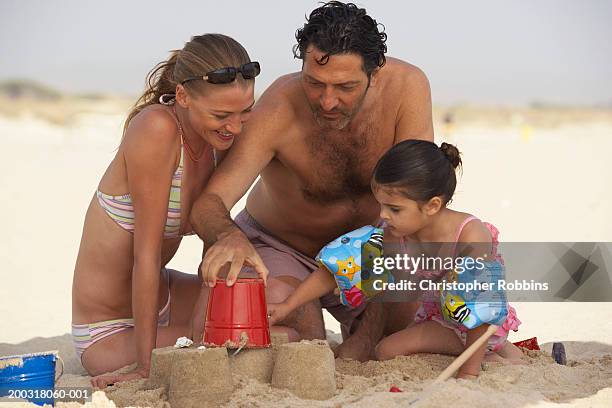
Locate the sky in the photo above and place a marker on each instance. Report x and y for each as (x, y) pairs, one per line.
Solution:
(483, 52)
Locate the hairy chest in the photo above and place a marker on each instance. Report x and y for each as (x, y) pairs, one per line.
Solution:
(336, 165)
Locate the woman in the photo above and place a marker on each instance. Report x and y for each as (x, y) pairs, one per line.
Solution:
(124, 301)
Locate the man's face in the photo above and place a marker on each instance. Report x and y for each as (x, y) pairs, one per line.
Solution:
(335, 90)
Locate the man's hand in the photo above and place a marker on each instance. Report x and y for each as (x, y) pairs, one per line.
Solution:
(233, 248)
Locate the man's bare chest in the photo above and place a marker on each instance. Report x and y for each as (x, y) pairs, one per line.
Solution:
(338, 165)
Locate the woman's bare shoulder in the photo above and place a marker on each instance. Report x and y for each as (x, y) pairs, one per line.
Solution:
(152, 129)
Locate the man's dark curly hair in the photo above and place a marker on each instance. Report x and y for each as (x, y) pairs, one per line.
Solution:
(338, 28)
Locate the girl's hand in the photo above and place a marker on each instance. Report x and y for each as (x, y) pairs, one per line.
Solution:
(338, 293)
(104, 380)
(277, 312)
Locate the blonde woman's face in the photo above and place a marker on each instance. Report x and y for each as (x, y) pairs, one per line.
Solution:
(219, 114)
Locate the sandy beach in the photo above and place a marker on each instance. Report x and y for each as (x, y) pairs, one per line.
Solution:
(538, 175)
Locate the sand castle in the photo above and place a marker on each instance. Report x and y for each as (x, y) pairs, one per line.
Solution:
(307, 369)
(203, 377)
(161, 367)
(200, 378)
(255, 363)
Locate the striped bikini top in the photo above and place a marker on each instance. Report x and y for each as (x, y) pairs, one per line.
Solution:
(121, 209)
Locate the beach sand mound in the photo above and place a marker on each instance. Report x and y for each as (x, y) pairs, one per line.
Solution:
(255, 363)
(306, 369)
(200, 378)
(586, 381)
(539, 383)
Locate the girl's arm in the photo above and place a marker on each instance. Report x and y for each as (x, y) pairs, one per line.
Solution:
(471, 368)
(319, 283)
(150, 154)
(475, 241)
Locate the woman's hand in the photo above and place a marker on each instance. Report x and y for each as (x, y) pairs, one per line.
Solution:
(277, 312)
(104, 380)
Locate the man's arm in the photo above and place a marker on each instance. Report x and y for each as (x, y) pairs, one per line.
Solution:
(415, 112)
(210, 216)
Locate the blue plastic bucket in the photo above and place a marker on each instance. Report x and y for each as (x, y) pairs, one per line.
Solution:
(29, 376)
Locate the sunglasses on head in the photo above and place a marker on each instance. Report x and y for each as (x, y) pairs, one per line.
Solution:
(228, 74)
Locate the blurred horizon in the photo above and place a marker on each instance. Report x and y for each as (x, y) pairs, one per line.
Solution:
(30, 89)
(512, 54)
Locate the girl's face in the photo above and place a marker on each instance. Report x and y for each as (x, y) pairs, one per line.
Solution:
(402, 215)
(218, 115)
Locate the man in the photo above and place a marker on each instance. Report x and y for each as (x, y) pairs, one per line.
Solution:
(314, 137)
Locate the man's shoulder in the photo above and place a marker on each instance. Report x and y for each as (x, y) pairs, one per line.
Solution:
(274, 115)
(399, 74)
(280, 104)
(406, 90)
(283, 93)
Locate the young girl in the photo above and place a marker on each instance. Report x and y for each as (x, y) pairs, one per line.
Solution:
(124, 301)
(413, 182)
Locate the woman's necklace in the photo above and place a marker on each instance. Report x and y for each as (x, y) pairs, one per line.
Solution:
(195, 157)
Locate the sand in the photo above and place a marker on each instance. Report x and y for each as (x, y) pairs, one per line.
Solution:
(161, 367)
(200, 378)
(540, 383)
(585, 381)
(306, 369)
(11, 362)
(549, 185)
(254, 363)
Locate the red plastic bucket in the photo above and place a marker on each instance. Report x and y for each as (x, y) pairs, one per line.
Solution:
(237, 314)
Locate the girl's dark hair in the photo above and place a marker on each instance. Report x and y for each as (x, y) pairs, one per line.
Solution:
(338, 28)
(202, 54)
(420, 170)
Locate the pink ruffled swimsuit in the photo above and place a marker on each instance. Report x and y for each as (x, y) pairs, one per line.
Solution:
(430, 307)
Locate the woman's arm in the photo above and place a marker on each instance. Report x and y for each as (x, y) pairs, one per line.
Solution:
(319, 283)
(150, 150)
(151, 158)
